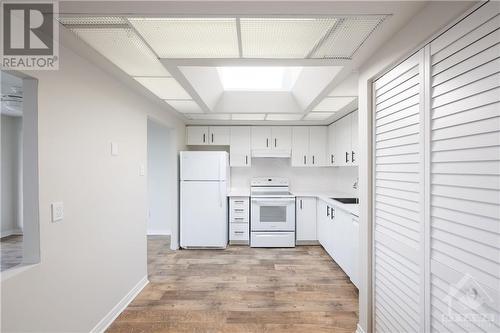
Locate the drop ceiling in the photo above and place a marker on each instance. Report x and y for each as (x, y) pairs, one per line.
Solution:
(178, 58)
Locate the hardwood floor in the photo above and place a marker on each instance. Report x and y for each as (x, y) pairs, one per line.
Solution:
(241, 289)
(11, 251)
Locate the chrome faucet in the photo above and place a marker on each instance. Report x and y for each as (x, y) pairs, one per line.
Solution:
(355, 185)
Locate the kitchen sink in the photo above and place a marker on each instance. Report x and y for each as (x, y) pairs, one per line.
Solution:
(347, 200)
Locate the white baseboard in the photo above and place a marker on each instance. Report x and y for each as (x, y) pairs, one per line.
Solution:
(159, 232)
(108, 319)
(10, 232)
(359, 329)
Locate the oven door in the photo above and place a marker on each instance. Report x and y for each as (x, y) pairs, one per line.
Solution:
(273, 214)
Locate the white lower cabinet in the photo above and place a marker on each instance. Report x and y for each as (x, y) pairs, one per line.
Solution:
(239, 220)
(306, 219)
(338, 232)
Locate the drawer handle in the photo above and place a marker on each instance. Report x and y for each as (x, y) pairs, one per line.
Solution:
(239, 201)
(239, 218)
(239, 210)
(239, 232)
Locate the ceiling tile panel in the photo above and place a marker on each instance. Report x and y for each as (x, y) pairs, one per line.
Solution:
(124, 48)
(282, 37)
(189, 37)
(347, 37)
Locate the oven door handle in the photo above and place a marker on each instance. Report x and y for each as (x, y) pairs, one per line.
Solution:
(273, 200)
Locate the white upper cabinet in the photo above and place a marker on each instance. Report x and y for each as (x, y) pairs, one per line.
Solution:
(241, 146)
(300, 146)
(271, 137)
(331, 149)
(309, 145)
(197, 135)
(354, 138)
(281, 137)
(261, 137)
(318, 136)
(207, 135)
(219, 135)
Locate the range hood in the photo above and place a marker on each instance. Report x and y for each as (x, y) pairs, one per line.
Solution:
(271, 153)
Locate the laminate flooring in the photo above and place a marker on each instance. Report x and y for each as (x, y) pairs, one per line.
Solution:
(241, 289)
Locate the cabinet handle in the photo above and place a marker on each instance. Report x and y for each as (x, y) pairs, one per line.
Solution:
(346, 157)
(239, 232)
(300, 203)
(332, 213)
(239, 218)
(239, 210)
(352, 156)
(313, 159)
(304, 159)
(212, 138)
(267, 142)
(203, 137)
(327, 211)
(275, 142)
(239, 201)
(246, 159)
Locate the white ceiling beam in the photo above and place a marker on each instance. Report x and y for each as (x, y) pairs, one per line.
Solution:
(220, 62)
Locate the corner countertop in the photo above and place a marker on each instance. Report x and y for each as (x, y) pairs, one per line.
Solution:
(325, 196)
(239, 192)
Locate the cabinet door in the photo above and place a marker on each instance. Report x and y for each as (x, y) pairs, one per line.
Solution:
(240, 147)
(261, 137)
(354, 138)
(330, 158)
(343, 145)
(321, 220)
(317, 145)
(300, 146)
(306, 219)
(196, 135)
(281, 137)
(355, 250)
(344, 240)
(219, 135)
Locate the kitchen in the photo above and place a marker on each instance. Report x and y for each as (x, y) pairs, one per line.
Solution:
(314, 204)
(261, 166)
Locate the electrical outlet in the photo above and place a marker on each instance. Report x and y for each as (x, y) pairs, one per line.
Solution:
(142, 170)
(57, 209)
(114, 149)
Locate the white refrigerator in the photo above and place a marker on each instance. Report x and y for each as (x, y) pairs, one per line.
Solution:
(204, 177)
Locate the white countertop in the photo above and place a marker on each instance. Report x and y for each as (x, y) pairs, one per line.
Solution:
(322, 195)
(325, 196)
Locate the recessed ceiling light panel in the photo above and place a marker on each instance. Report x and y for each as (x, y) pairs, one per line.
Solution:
(284, 116)
(347, 37)
(333, 104)
(317, 116)
(282, 37)
(190, 37)
(185, 106)
(248, 116)
(124, 48)
(164, 87)
(209, 116)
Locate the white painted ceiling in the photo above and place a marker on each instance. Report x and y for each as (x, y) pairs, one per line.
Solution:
(176, 56)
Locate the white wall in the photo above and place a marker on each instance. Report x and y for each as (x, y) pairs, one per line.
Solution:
(433, 17)
(97, 254)
(11, 169)
(161, 180)
(325, 179)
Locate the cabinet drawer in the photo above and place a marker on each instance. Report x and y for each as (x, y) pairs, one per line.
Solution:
(239, 232)
(239, 203)
(239, 210)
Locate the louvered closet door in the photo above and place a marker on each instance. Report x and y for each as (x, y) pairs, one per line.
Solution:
(465, 175)
(398, 204)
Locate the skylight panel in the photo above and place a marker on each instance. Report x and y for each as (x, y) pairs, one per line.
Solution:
(253, 78)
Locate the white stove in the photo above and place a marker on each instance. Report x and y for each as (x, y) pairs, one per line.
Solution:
(272, 221)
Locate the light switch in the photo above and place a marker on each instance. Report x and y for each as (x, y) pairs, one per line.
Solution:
(114, 149)
(57, 209)
(142, 170)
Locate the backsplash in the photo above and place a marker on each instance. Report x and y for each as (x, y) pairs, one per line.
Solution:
(301, 179)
